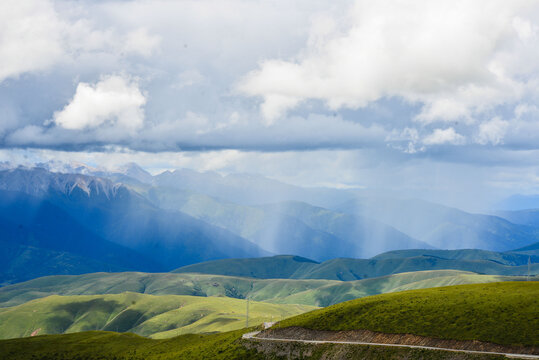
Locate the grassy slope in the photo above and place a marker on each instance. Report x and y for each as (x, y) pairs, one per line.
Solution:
(308, 292)
(109, 345)
(148, 315)
(345, 291)
(503, 313)
(347, 269)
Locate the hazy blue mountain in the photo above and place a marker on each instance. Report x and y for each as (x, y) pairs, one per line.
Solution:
(247, 189)
(346, 269)
(23, 262)
(444, 227)
(41, 182)
(506, 258)
(528, 217)
(291, 227)
(366, 236)
(171, 237)
(35, 231)
(274, 232)
(116, 213)
(519, 202)
(130, 174)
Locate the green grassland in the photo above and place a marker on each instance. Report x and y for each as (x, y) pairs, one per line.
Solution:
(503, 313)
(271, 267)
(148, 315)
(335, 293)
(307, 292)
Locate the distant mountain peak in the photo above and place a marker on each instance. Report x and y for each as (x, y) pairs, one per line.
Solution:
(70, 167)
(135, 171)
(39, 181)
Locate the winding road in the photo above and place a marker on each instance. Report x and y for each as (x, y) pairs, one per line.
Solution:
(252, 335)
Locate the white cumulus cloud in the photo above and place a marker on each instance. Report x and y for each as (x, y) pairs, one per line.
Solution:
(36, 35)
(30, 37)
(444, 136)
(455, 58)
(114, 99)
(492, 131)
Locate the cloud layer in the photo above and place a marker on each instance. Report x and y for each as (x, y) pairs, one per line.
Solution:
(445, 82)
(454, 58)
(461, 70)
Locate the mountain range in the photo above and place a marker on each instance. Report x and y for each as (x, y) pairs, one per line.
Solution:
(444, 227)
(89, 220)
(107, 224)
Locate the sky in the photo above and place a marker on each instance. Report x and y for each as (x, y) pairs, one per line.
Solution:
(431, 99)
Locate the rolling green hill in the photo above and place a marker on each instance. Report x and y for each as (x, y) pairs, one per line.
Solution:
(347, 269)
(491, 312)
(274, 267)
(307, 292)
(502, 313)
(148, 315)
(156, 284)
(335, 293)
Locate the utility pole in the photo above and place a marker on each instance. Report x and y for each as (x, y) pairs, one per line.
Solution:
(247, 313)
(529, 267)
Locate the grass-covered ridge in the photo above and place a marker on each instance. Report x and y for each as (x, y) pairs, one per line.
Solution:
(505, 258)
(503, 313)
(348, 269)
(148, 315)
(285, 291)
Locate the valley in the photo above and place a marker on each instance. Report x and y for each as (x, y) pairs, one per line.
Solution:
(173, 268)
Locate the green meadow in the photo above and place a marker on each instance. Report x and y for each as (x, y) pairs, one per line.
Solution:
(114, 346)
(503, 313)
(147, 315)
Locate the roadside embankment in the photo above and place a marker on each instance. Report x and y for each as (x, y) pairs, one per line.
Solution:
(298, 333)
